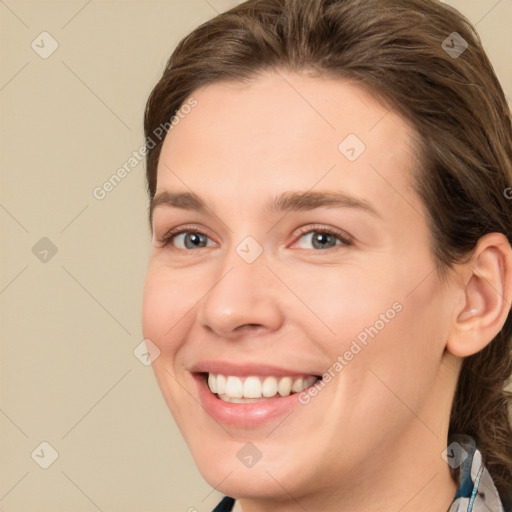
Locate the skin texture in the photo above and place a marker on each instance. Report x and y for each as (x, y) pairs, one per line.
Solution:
(373, 437)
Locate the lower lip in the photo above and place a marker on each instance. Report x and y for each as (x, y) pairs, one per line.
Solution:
(247, 415)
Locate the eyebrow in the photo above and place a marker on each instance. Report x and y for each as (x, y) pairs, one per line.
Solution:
(285, 202)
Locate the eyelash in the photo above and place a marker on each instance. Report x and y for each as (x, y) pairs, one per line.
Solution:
(345, 239)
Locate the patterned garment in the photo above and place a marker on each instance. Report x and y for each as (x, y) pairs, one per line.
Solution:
(476, 491)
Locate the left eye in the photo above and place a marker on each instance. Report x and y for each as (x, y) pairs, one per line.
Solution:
(322, 239)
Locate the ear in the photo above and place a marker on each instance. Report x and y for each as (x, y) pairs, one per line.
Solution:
(486, 289)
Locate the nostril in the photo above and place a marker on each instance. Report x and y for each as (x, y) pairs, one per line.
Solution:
(249, 327)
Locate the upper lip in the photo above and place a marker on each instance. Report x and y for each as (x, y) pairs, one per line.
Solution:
(246, 369)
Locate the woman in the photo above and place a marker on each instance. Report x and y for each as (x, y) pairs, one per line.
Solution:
(330, 278)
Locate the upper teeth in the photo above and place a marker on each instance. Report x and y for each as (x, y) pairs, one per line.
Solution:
(257, 387)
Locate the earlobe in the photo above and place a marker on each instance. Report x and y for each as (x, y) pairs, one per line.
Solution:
(487, 296)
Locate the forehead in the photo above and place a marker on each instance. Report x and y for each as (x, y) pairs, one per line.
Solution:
(284, 130)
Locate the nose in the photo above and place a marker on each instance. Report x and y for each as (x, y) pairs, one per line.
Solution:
(242, 298)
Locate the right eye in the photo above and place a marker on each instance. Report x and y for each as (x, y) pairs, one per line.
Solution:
(186, 237)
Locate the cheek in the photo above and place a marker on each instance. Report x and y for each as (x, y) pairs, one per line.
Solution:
(400, 362)
(164, 322)
(342, 302)
(380, 322)
(383, 379)
(164, 308)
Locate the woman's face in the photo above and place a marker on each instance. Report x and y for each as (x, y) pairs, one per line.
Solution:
(304, 252)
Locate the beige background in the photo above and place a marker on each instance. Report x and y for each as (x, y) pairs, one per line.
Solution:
(70, 324)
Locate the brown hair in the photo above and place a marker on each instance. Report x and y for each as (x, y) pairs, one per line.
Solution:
(462, 126)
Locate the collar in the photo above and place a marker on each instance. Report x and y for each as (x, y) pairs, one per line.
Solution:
(476, 491)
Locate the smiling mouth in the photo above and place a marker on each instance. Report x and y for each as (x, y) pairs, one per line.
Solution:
(235, 389)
